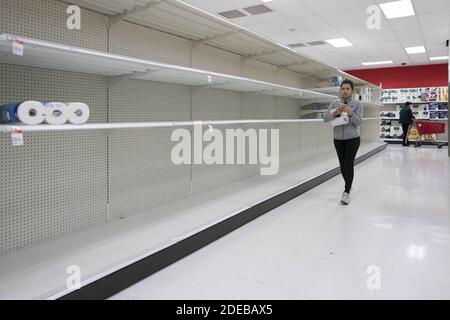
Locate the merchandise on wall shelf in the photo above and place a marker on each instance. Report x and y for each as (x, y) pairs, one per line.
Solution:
(430, 94)
(427, 104)
(36, 112)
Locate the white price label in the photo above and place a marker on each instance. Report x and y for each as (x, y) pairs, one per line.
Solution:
(18, 48)
(17, 138)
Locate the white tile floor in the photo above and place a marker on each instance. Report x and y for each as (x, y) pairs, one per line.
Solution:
(314, 248)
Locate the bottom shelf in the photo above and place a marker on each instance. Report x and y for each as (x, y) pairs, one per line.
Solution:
(40, 271)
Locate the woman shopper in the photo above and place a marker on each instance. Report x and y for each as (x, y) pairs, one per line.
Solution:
(347, 136)
(406, 119)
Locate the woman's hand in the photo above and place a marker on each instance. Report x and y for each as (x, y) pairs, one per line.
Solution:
(349, 111)
(338, 112)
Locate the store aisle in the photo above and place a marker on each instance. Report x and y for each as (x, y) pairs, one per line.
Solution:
(398, 224)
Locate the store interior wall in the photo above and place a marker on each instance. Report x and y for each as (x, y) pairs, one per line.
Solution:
(434, 75)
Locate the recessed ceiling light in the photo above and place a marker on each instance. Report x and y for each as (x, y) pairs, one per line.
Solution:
(439, 58)
(397, 9)
(339, 43)
(415, 50)
(374, 63)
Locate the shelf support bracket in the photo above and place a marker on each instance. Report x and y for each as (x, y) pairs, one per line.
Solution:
(287, 66)
(117, 79)
(198, 43)
(212, 85)
(255, 56)
(113, 20)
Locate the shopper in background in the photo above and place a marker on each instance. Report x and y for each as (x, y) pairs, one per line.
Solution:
(406, 119)
(346, 137)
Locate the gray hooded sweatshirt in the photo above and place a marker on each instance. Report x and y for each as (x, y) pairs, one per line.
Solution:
(350, 130)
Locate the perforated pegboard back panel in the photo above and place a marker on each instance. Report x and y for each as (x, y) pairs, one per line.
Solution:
(142, 174)
(288, 78)
(136, 100)
(258, 70)
(308, 140)
(56, 182)
(141, 42)
(257, 107)
(370, 131)
(213, 59)
(289, 133)
(213, 104)
(324, 138)
(47, 20)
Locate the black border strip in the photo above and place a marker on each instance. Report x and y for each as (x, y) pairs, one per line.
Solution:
(124, 278)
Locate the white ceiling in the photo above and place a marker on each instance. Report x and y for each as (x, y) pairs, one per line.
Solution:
(294, 21)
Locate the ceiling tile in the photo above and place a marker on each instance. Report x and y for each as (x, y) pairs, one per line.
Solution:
(325, 34)
(289, 8)
(275, 27)
(345, 17)
(437, 51)
(405, 23)
(270, 17)
(430, 6)
(353, 30)
(283, 38)
(212, 6)
(435, 32)
(436, 41)
(409, 34)
(436, 19)
(305, 36)
(312, 22)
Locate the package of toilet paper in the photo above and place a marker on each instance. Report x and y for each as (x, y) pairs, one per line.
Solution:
(340, 121)
(27, 112)
(57, 113)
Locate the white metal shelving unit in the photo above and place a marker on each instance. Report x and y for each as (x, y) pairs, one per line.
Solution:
(56, 56)
(203, 28)
(117, 174)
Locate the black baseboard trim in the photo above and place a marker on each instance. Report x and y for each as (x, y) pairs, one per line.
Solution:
(138, 271)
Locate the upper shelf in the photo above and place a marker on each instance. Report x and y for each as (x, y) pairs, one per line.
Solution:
(181, 19)
(327, 90)
(43, 54)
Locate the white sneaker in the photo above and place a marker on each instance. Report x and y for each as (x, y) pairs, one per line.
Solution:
(345, 198)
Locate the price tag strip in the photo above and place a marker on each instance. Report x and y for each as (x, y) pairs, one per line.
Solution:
(17, 48)
(17, 138)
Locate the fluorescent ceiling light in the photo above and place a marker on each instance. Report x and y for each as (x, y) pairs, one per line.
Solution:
(338, 43)
(374, 63)
(414, 50)
(397, 9)
(439, 58)
(267, 0)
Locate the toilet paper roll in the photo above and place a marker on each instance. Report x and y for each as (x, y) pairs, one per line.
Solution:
(31, 112)
(78, 112)
(28, 112)
(57, 113)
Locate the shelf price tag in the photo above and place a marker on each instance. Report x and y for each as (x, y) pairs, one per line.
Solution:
(17, 138)
(18, 48)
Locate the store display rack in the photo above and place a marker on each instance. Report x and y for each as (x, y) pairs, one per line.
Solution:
(44, 54)
(431, 108)
(203, 28)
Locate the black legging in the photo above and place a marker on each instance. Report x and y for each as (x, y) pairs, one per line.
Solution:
(346, 151)
(405, 128)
